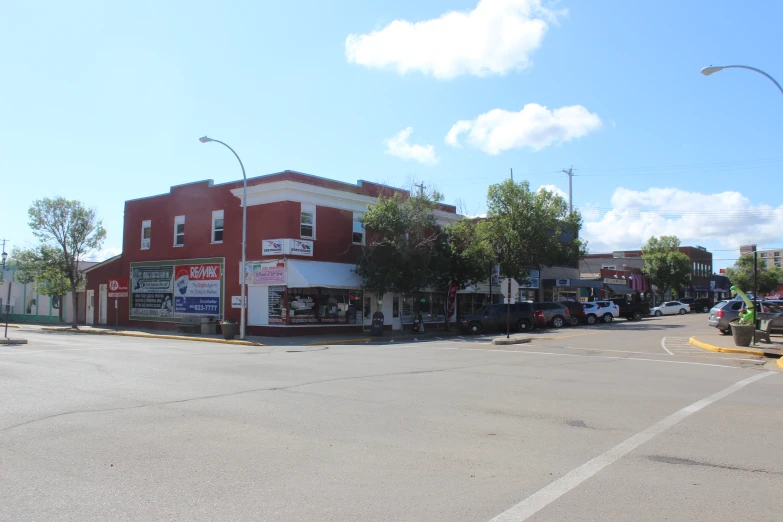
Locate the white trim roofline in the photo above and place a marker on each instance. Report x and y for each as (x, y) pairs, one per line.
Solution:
(288, 190)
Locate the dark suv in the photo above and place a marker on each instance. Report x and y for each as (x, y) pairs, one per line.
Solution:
(699, 304)
(577, 311)
(493, 317)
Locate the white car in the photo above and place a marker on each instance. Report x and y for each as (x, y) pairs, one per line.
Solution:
(670, 308)
(596, 311)
(609, 309)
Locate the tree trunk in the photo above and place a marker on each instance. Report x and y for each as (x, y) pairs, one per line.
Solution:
(75, 309)
(62, 305)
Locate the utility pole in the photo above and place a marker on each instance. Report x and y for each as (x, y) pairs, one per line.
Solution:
(512, 174)
(8, 297)
(421, 187)
(570, 173)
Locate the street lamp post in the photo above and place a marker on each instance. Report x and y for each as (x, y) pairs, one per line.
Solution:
(8, 298)
(712, 69)
(205, 139)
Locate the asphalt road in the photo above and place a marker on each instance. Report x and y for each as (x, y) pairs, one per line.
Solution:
(616, 422)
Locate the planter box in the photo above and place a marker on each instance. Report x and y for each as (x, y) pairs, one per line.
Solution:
(742, 333)
(229, 330)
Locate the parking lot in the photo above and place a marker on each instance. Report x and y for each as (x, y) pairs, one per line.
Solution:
(622, 421)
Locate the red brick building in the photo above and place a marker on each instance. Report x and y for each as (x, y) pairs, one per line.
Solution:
(182, 254)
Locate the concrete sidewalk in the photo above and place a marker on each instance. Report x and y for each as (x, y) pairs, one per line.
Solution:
(301, 340)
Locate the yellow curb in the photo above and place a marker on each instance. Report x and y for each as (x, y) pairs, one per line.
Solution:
(780, 363)
(340, 341)
(712, 348)
(155, 336)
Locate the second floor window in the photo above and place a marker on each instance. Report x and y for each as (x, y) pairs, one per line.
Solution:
(307, 222)
(179, 231)
(358, 229)
(217, 226)
(146, 234)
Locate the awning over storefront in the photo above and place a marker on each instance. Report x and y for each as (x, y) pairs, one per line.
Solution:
(618, 289)
(303, 274)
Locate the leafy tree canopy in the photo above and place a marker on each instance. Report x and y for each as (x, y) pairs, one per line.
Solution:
(666, 267)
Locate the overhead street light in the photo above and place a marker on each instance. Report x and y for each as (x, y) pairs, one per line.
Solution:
(712, 69)
(205, 139)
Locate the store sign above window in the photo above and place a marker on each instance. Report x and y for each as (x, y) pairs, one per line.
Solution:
(294, 247)
(613, 281)
(562, 282)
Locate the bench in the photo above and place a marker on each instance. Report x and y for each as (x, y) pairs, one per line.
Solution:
(189, 325)
(764, 327)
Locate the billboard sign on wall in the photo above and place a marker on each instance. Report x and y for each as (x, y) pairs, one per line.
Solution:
(169, 290)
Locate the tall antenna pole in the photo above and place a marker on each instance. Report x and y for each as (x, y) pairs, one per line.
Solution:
(570, 173)
(512, 174)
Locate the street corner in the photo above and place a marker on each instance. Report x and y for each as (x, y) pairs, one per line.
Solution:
(720, 346)
(145, 335)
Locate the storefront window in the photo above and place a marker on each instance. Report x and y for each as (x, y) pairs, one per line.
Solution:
(277, 304)
(302, 305)
(333, 304)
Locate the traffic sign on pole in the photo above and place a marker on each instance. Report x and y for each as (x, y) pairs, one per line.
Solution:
(509, 290)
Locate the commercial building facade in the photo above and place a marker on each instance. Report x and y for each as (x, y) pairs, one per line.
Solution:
(182, 252)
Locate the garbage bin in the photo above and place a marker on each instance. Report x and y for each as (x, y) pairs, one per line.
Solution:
(208, 325)
(377, 324)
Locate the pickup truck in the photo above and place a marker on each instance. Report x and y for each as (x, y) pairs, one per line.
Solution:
(633, 311)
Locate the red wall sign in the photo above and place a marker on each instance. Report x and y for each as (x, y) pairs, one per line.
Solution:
(118, 287)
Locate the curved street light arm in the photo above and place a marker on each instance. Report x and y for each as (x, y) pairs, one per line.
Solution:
(758, 71)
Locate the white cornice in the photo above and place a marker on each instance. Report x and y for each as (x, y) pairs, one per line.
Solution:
(287, 190)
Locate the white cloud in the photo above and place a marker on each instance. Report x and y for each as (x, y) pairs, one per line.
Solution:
(398, 146)
(496, 37)
(105, 253)
(728, 218)
(555, 189)
(534, 126)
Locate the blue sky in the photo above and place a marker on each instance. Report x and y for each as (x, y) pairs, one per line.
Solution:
(105, 101)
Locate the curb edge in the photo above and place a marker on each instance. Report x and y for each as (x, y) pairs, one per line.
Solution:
(712, 348)
(155, 336)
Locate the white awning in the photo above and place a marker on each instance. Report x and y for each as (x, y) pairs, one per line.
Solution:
(303, 274)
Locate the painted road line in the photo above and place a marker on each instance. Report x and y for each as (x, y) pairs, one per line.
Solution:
(543, 497)
(663, 345)
(665, 361)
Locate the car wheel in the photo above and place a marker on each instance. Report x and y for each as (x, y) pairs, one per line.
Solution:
(637, 316)
(574, 320)
(726, 332)
(607, 318)
(523, 325)
(705, 310)
(475, 327)
(558, 321)
(591, 319)
(658, 313)
(682, 311)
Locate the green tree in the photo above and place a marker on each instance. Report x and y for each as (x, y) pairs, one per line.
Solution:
(741, 275)
(403, 243)
(530, 229)
(465, 254)
(664, 265)
(71, 228)
(45, 267)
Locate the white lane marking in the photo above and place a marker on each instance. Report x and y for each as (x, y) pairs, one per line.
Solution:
(545, 496)
(604, 357)
(663, 345)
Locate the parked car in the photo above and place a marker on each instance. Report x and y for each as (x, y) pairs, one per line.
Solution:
(556, 314)
(726, 311)
(698, 304)
(609, 309)
(670, 308)
(540, 318)
(632, 310)
(577, 312)
(493, 317)
(593, 312)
